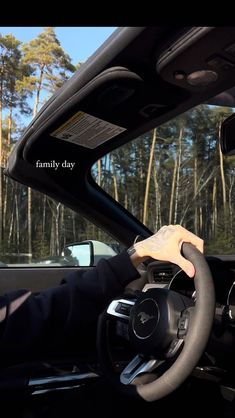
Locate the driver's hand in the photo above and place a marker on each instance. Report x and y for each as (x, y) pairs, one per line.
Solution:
(165, 245)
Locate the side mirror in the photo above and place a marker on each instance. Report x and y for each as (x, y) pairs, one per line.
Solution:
(227, 137)
(87, 253)
(80, 254)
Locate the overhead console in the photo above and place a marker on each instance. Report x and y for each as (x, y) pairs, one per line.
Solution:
(203, 59)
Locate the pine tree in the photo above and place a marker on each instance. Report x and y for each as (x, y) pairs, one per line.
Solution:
(50, 63)
(51, 66)
(12, 71)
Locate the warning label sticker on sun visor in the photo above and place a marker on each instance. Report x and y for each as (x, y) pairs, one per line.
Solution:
(87, 130)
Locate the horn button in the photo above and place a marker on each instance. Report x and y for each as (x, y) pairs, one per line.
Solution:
(146, 318)
(154, 320)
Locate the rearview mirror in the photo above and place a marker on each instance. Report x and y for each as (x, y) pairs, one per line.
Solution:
(227, 137)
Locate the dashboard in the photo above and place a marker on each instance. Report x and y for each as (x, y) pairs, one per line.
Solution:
(231, 302)
(168, 275)
(221, 346)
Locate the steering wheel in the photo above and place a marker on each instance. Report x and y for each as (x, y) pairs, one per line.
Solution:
(165, 329)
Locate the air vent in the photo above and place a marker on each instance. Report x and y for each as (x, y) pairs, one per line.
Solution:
(162, 274)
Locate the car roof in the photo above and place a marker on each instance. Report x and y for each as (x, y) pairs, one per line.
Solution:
(138, 79)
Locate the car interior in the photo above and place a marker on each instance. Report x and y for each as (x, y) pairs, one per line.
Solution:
(138, 80)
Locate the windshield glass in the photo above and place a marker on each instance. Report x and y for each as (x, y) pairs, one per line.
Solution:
(176, 174)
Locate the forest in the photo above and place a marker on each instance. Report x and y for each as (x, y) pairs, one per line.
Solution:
(173, 174)
(176, 174)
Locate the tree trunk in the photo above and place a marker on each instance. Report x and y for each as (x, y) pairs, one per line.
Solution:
(43, 224)
(145, 214)
(1, 191)
(223, 183)
(231, 184)
(114, 180)
(178, 175)
(73, 226)
(126, 201)
(17, 221)
(158, 216)
(55, 213)
(194, 194)
(38, 91)
(107, 164)
(200, 215)
(52, 238)
(99, 172)
(222, 175)
(214, 208)
(198, 193)
(57, 235)
(3, 161)
(9, 128)
(29, 206)
(173, 190)
(12, 219)
(29, 215)
(62, 227)
(140, 175)
(5, 205)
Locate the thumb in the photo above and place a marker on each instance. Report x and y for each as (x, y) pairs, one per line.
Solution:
(186, 265)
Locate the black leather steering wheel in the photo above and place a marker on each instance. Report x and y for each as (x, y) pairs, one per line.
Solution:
(163, 326)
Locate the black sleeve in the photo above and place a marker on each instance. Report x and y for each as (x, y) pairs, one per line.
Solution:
(53, 315)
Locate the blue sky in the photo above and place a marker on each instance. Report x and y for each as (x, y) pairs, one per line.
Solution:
(78, 42)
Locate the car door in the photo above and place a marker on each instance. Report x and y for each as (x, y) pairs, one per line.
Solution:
(54, 227)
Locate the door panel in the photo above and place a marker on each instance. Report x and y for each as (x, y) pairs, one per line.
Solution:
(34, 279)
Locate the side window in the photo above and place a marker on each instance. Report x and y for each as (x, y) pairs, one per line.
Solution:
(38, 231)
(176, 174)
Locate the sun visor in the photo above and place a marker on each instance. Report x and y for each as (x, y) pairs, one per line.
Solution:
(227, 137)
(116, 101)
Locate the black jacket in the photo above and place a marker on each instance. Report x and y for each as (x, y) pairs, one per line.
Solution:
(58, 317)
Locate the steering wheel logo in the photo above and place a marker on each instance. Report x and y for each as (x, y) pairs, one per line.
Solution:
(144, 317)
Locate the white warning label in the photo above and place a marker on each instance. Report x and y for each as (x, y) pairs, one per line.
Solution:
(87, 130)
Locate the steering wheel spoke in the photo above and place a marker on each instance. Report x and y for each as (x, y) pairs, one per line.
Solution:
(121, 308)
(138, 365)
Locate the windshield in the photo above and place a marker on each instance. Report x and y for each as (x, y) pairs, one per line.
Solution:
(176, 174)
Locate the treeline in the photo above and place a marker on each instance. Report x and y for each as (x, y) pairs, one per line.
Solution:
(176, 174)
(53, 225)
(173, 174)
